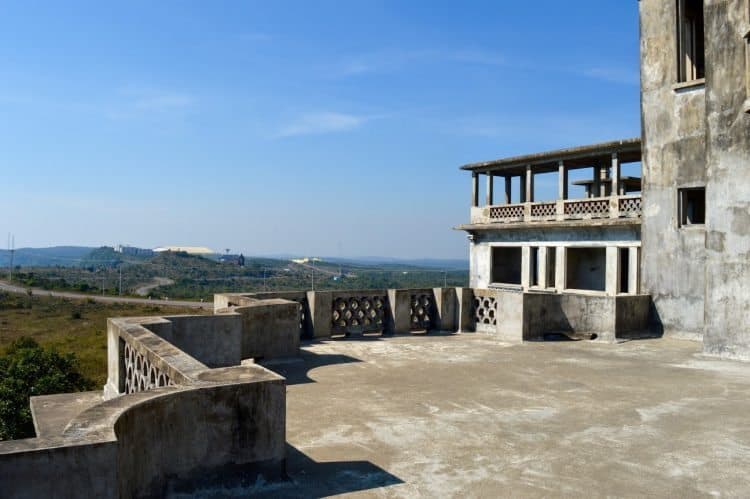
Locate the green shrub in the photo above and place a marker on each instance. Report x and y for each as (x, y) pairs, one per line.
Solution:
(28, 370)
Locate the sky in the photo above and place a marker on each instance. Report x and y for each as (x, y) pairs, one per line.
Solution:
(319, 128)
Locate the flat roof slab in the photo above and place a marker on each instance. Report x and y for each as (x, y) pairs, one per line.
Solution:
(438, 416)
(52, 413)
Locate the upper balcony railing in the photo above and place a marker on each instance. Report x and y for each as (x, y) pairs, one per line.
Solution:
(610, 207)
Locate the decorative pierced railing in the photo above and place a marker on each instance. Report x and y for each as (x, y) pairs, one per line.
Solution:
(422, 311)
(571, 209)
(507, 212)
(630, 206)
(140, 374)
(359, 313)
(587, 208)
(543, 210)
(485, 312)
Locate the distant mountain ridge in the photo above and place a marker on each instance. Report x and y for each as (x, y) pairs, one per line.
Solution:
(65, 256)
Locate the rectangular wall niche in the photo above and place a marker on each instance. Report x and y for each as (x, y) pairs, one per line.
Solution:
(586, 268)
(506, 265)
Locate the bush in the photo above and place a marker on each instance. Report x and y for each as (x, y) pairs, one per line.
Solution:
(28, 370)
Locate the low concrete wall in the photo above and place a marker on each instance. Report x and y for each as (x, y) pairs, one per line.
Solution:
(214, 340)
(270, 329)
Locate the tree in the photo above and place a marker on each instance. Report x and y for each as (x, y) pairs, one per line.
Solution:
(28, 370)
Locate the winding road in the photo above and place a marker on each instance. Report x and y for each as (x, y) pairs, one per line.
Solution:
(12, 288)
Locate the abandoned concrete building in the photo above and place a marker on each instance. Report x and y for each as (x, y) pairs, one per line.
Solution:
(655, 240)
(679, 234)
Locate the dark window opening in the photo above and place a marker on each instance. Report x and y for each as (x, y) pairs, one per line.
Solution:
(691, 51)
(586, 268)
(692, 206)
(506, 265)
(534, 266)
(624, 254)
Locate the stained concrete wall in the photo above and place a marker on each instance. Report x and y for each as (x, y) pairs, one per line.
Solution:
(269, 329)
(727, 309)
(202, 439)
(214, 340)
(674, 156)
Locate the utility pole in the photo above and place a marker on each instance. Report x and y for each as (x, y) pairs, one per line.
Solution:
(312, 275)
(264, 278)
(119, 267)
(12, 250)
(445, 278)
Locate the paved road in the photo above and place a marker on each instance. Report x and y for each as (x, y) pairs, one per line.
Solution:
(157, 281)
(12, 288)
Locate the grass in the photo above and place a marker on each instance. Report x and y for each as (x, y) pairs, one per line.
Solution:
(76, 326)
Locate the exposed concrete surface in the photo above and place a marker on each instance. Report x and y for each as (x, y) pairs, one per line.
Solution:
(52, 413)
(464, 415)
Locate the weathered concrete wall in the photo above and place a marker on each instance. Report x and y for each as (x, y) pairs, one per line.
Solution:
(727, 308)
(511, 326)
(674, 153)
(200, 439)
(632, 314)
(34, 468)
(269, 329)
(214, 340)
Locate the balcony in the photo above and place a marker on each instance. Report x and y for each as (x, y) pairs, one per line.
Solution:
(610, 207)
(605, 194)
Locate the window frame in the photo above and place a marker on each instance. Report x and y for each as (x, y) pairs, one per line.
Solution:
(691, 61)
(682, 207)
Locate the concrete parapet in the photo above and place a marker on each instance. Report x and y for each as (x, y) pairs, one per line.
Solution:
(447, 308)
(465, 310)
(270, 329)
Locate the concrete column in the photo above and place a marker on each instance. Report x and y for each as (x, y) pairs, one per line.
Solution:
(522, 194)
(562, 181)
(634, 271)
(508, 188)
(603, 171)
(446, 307)
(526, 267)
(529, 185)
(475, 189)
(597, 181)
(320, 304)
(612, 276)
(542, 267)
(465, 299)
(560, 269)
(490, 189)
(400, 307)
(615, 175)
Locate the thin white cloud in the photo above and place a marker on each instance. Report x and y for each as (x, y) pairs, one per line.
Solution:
(614, 75)
(321, 123)
(393, 60)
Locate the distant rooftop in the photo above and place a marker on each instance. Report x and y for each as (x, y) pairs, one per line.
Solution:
(628, 150)
(191, 250)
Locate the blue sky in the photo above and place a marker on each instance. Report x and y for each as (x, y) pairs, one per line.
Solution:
(310, 127)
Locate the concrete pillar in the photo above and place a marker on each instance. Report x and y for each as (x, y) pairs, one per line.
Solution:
(474, 189)
(603, 172)
(597, 181)
(562, 181)
(446, 307)
(465, 301)
(508, 188)
(560, 269)
(321, 310)
(529, 184)
(490, 189)
(615, 175)
(526, 267)
(522, 194)
(612, 276)
(542, 267)
(399, 320)
(634, 270)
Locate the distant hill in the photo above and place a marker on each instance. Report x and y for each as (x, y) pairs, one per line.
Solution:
(377, 261)
(65, 256)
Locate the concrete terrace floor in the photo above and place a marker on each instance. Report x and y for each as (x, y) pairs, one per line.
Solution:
(465, 415)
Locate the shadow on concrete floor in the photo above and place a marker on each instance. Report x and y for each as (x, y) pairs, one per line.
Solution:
(297, 372)
(310, 478)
